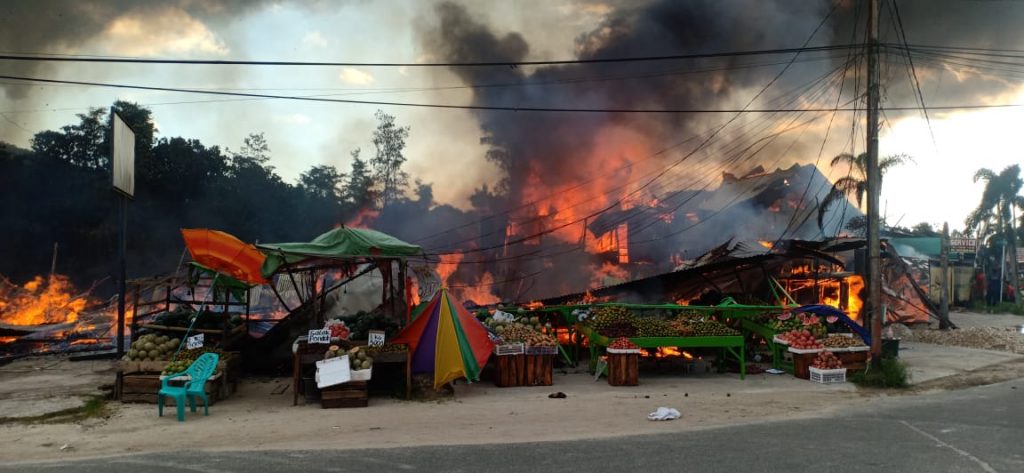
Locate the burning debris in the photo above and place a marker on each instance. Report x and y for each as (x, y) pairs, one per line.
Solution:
(49, 314)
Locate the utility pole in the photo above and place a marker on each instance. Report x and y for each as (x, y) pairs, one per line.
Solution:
(874, 309)
(944, 285)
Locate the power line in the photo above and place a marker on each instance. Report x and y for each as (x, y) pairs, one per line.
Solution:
(221, 62)
(913, 72)
(494, 107)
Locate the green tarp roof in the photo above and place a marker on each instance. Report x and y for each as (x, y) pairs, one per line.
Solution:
(342, 242)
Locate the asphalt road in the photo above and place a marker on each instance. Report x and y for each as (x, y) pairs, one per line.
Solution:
(974, 430)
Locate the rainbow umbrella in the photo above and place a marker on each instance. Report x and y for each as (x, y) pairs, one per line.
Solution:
(445, 339)
(225, 254)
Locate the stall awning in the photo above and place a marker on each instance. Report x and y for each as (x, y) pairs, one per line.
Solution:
(339, 243)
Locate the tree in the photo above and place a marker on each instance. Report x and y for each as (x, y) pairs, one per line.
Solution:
(998, 200)
(389, 140)
(323, 182)
(358, 189)
(856, 182)
(81, 145)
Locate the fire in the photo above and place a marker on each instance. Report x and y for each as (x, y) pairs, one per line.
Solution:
(765, 243)
(363, 218)
(480, 292)
(854, 304)
(412, 291)
(607, 275)
(41, 301)
(7, 339)
(534, 305)
(665, 352)
(448, 265)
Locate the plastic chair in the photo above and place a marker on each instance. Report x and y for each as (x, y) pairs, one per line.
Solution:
(199, 371)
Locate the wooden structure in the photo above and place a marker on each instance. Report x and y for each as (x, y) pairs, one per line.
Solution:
(140, 381)
(350, 394)
(623, 369)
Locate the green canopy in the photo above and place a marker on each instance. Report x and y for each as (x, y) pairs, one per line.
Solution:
(342, 242)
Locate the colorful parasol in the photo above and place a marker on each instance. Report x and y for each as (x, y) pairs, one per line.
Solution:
(445, 339)
(225, 254)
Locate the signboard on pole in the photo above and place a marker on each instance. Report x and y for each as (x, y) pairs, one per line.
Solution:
(962, 245)
(123, 157)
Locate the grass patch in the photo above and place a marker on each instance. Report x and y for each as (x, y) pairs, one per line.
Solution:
(890, 373)
(94, 406)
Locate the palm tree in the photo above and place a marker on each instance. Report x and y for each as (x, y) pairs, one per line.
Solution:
(856, 182)
(997, 202)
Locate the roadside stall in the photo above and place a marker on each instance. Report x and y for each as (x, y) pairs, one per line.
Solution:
(326, 265)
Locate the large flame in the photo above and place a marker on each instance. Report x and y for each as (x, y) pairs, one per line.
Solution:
(42, 301)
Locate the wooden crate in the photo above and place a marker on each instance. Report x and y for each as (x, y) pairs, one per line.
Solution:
(539, 370)
(802, 364)
(510, 370)
(350, 394)
(853, 360)
(143, 388)
(623, 369)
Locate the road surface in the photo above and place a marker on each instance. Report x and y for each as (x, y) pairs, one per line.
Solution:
(974, 430)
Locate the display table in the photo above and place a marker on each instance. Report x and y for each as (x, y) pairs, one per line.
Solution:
(731, 344)
(304, 354)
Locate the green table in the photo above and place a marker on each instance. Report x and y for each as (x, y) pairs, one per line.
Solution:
(730, 344)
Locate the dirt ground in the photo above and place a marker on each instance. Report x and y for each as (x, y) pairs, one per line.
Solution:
(478, 413)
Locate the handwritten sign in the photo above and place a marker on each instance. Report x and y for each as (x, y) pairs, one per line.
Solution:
(319, 336)
(376, 338)
(195, 341)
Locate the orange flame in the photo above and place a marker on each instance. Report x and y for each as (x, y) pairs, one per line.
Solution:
(365, 217)
(766, 243)
(40, 301)
(666, 352)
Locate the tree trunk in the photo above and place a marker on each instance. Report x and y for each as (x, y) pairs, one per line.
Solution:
(1011, 237)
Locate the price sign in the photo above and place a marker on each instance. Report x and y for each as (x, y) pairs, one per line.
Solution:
(319, 336)
(376, 338)
(195, 341)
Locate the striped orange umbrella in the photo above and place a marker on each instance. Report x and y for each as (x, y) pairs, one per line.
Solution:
(224, 253)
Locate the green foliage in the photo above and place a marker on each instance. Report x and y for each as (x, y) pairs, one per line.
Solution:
(389, 140)
(59, 191)
(855, 183)
(889, 373)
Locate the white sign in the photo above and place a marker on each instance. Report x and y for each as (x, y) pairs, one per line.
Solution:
(195, 341)
(333, 371)
(319, 336)
(123, 158)
(963, 243)
(376, 338)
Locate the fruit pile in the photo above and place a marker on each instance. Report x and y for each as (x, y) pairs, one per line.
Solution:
(499, 325)
(840, 341)
(358, 357)
(338, 329)
(826, 360)
(388, 348)
(701, 328)
(186, 357)
(605, 317)
(516, 333)
(653, 327)
(787, 322)
(152, 347)
(801, 340)
(623, 343)
(537, 339)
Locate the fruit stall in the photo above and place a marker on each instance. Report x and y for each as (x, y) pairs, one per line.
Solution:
(689, 330)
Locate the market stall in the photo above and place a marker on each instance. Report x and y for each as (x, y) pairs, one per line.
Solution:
(346, 254)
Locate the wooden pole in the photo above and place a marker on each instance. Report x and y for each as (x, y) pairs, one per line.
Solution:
(944, 286)
(874, 185)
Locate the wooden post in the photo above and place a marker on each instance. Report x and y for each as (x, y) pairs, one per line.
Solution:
(944, 285)
(874, 187)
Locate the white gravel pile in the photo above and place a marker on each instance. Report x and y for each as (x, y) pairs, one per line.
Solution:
(1007, 339)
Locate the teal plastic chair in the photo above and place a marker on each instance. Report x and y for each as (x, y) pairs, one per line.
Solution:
(199, 371)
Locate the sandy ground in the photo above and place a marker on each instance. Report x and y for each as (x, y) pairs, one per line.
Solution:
(478, 413)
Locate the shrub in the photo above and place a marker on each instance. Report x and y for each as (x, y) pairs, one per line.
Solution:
(890, 373)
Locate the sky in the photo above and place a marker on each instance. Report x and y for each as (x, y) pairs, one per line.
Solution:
(444, 147)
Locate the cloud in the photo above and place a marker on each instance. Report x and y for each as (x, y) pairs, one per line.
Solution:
(314, 39)
(350, 75)
(171, 31)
